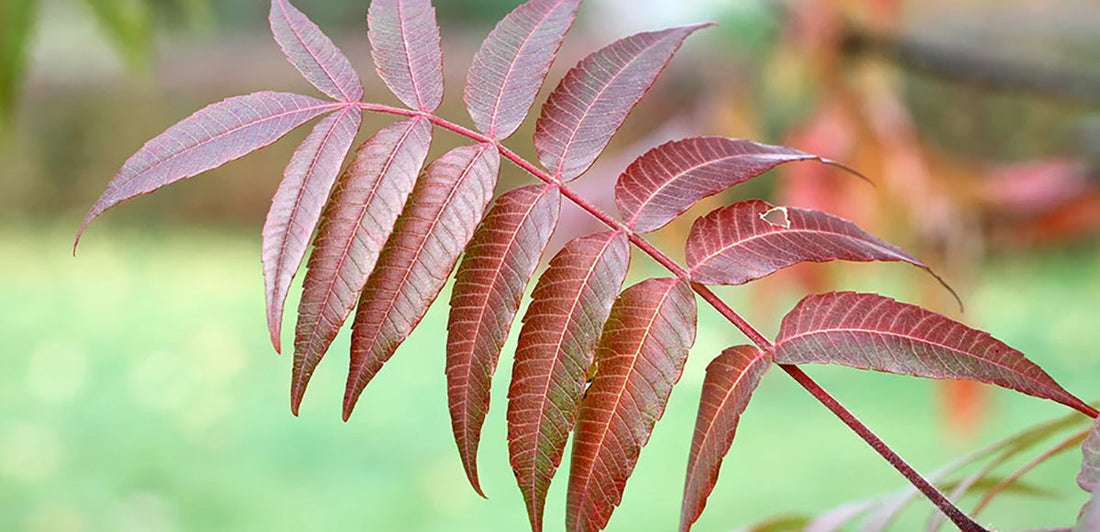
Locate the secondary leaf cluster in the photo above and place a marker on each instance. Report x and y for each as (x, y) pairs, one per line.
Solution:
(593, 359)
(879, 513)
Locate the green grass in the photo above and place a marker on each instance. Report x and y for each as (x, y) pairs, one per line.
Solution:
(139, 392)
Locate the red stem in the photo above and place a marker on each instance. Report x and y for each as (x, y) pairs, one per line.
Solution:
(931, 492)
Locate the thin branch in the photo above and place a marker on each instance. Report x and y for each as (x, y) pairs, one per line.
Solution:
(931, 492)
(1063, 446)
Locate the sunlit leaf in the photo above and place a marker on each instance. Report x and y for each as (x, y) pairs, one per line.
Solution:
(568, 309)
(359, 219)
(297, 205)
(313, 53)
(731, 378)
(511, 65)
(667, 180)
(869, 331)
(488, 287)
(753, 239)
(208, 139)
(406, 49)
(640, 356)
(437, 224)
(595, 97)
(129, 23)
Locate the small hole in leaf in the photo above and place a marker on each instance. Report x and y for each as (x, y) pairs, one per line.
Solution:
(776, 216)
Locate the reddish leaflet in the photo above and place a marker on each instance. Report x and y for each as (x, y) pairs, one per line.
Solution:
(391, 234)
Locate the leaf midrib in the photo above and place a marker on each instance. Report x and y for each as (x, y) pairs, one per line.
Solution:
(280, 258)
(297, 35)
(275, 95)
(343, 256)
(800, 230)
(563, 157)
(606, 427)
(543, 397)
(512, 239)
(443, 208)
(512, 67)
(828, 330)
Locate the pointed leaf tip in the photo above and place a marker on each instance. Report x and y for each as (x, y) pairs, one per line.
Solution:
(666, 181)
(359, 219)
(405, 45)
(640, 355)
(488, 288)
(869, 331)
(207, 139)
(296, 208)
(435, 227)
(594, 98)
(727, 388)
(753, 239)
(314, 55)
(511, 65)
(568, 310)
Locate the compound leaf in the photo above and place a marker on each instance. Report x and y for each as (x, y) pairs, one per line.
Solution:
(595, 97)
(667, 180)
(297, 205)
(568, 309)
(512, 63)
(869, 331)
(211, 137)
(405, 42)
(731, 378)
(640, 356)
(438, 222)
(488, 288)
(357, 223)
(313, 53)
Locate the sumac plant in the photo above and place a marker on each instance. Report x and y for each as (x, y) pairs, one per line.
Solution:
(593, 359)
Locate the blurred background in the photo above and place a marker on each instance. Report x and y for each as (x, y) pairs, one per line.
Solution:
(138, 390)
